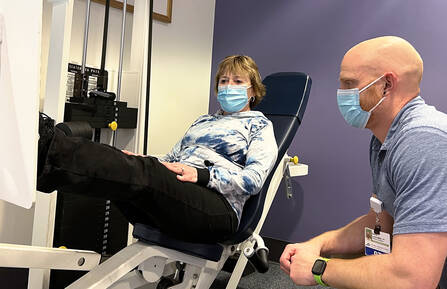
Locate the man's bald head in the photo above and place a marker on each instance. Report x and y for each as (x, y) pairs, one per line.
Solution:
(377, 56)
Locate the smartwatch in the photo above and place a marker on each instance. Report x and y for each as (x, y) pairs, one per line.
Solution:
(318, 270)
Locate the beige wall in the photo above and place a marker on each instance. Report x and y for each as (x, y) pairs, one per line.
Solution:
(181, 69)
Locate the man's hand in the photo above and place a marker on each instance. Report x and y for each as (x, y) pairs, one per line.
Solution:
(184, 173)
(297, 261)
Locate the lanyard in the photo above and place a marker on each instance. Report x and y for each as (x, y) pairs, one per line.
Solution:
(376, 206)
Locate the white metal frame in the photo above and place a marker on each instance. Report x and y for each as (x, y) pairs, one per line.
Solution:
(58, 59)
(152, 262)
(295, 170)
(45, 206)
(20, 256)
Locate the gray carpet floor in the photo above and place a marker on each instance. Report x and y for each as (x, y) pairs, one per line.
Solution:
(273, 279)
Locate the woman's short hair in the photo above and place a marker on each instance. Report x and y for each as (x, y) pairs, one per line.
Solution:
(236, 64)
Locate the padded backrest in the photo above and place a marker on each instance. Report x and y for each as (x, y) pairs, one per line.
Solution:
(284, 104)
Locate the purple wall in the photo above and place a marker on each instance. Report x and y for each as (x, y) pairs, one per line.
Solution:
(312, 37)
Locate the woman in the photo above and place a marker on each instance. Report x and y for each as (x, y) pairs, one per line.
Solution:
(197, 191)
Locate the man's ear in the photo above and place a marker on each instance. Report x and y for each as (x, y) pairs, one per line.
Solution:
(390, 82)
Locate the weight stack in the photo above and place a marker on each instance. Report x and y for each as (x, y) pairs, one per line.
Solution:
(88, 224)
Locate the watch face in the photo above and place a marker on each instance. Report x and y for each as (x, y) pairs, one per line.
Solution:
(319, 267)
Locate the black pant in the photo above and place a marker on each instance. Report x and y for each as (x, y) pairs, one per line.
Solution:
(143, 188)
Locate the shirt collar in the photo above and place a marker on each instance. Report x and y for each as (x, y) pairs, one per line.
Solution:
(219, 112)
(248, 113)
(395, 125)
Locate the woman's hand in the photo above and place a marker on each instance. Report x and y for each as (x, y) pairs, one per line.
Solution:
(184, 173)
(132, 154)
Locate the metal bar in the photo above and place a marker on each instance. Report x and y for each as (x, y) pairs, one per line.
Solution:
(84, 81)
(288, 181)
(271, 192)
(133, 255)
(104, 35)
(87, 24)
(21, 256)
(148, 86)
(120, 69)
(115, 267)
(97, 135)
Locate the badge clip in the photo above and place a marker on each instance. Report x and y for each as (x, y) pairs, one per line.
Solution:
(376, 206)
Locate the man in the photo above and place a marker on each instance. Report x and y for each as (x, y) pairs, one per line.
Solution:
(379, 90)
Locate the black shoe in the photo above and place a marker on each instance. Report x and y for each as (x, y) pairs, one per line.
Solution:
(46, 133)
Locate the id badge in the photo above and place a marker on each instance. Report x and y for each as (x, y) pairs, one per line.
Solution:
(376, 244)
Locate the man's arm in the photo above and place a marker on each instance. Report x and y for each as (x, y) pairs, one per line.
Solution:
(350, 239)
(416, 262)
(346, 240)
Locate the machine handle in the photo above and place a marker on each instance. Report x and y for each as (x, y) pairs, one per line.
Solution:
(260, 260)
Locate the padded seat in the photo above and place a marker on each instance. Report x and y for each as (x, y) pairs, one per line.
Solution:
(284, 104)
(151, 235)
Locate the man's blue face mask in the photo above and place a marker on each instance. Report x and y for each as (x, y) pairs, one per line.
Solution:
(232, 98)
(349, 105)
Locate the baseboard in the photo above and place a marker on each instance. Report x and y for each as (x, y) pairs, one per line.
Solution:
(14, 278)
(276, 247)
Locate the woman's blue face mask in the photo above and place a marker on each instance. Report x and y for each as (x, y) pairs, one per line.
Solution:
(348, 101)
(232, 98)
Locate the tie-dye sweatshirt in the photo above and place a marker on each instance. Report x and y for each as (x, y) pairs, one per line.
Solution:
(238, 149)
